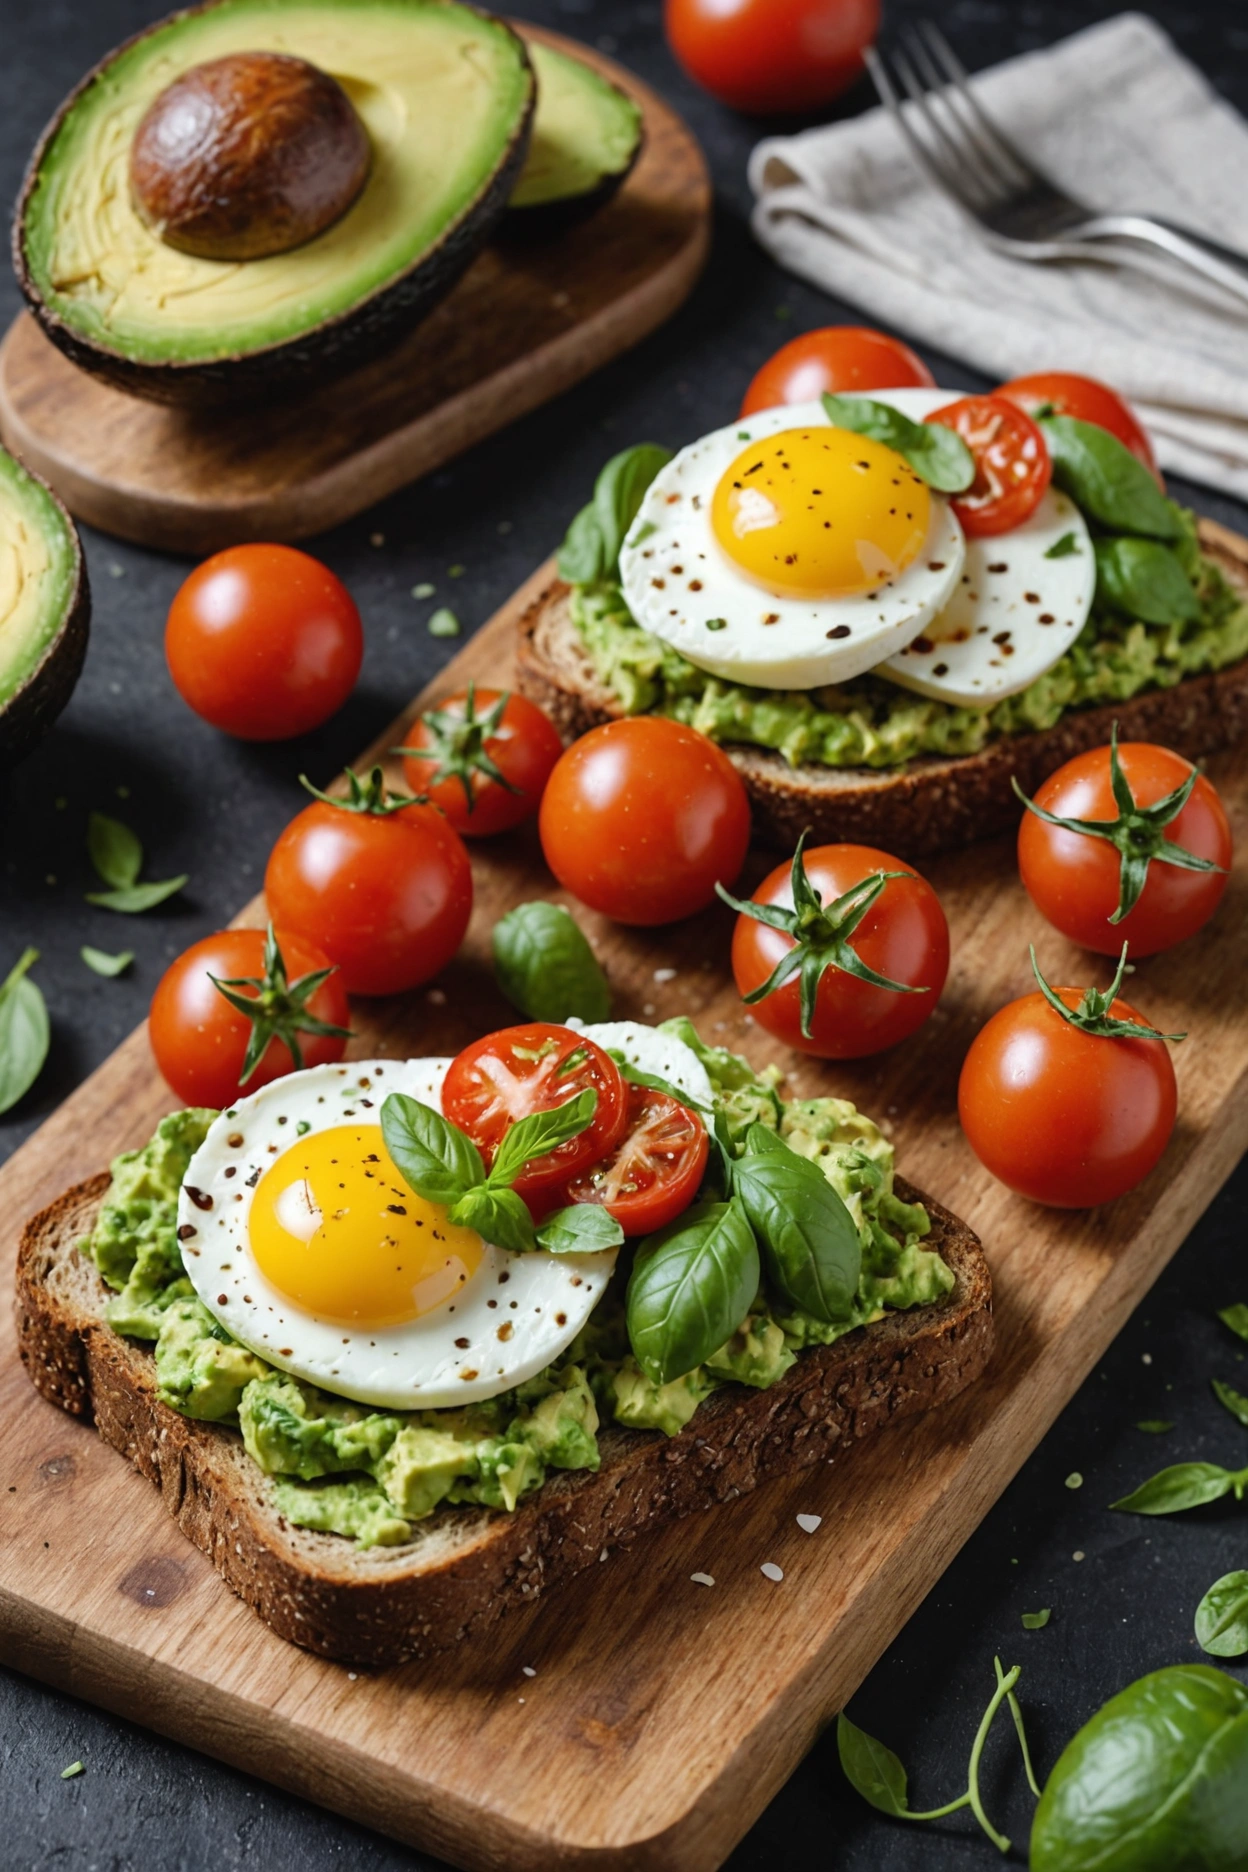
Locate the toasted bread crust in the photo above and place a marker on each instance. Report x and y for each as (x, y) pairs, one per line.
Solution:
(931, 804)
(466, 1567)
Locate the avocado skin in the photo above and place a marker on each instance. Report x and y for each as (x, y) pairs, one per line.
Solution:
(545, 220)
(32, 709)
(322, 353)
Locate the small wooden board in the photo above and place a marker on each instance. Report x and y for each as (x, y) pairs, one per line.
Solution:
(664, 1714)
(529, 319)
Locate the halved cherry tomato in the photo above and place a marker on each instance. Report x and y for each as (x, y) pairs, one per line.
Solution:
(772, 55)
(1066, 393)
(264, 642)
(655, 1172)
(484, 756)
(507, 1075)
(835, 358)
(385, 892)
(1012, 465)
(1075, 878)
(642, 818)
(201, 1042)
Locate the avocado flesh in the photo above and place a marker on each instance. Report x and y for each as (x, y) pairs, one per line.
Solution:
(586, 132)
(442, 91)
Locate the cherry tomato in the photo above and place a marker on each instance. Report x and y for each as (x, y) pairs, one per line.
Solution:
(467, 736)
(497, 1081)
(642, 818)
(1068, 394)
(264, 642)
(772, 55)
(655, 1172)
(386, 894)
(201, 1042)
(1065, 1117)
(903, 936)
(1012, 466)
(1074, 878)
(835, 358)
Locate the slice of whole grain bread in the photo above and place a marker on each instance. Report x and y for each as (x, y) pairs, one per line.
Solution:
(464, 1567)
(930, 804)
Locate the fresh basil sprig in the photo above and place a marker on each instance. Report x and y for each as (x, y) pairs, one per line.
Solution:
(117, 855)
(810, 1243)
(1184, 1485)
(691, 1286)
(1104, 478)
(442, 1164)
(938, 455)
(546, 967)
(591, 549)
(1142, 578)
(24, 1031)
(1222, 1616)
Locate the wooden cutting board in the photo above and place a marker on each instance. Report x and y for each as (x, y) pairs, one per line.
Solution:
(529, 319)
(664, 1714)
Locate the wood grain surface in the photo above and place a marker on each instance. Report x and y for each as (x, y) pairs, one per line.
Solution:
(529, 319)
(663, 1714)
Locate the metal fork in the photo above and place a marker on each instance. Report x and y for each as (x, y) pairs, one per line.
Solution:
(1021, 210)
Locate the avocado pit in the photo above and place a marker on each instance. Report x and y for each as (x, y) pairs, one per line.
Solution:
(248, 155)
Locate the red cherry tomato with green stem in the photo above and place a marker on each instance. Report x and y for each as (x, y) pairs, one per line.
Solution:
(382, 885)
(1069, 1109)
(835, 360)
(1012, 465)
(1065, 393)
(855, 943)
(264, 642)
(655, 1171)
(202, 1039)
(483, 756)
(1162, 849)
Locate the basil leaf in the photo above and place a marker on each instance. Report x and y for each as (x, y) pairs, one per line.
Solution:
(137, 897)
(1064, 547)
(938, 455)
(691, 1286)
(435, 1157)
(871, 1769)
(114, 851)
(498, 1214)
(582, 1228)
(24, 1032)
(1235, 1401)
(1236, 1317)
(1103, 477)
(581, 558)
(619, 491)
(1036, 1621)
(1143, 579)
(1183, 1485)
(101, 963)
(546, 967)
(1222, 1617)
(810, 1242)
(539, 1134)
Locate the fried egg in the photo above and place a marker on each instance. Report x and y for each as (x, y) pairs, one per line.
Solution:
(785, 553)
(302, 1238)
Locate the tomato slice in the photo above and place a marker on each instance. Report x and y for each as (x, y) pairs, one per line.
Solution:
(1012, 466)
(507, 1075)
(655, 1172)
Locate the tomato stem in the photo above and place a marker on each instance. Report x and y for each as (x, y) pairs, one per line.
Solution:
(278, 1010)
(459, 745)
(1092, 1015)
(365, 796)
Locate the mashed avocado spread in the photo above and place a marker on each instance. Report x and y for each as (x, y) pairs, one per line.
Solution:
(369, 1475)
(870, 722)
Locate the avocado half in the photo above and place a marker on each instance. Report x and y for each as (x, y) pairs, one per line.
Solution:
(446, 94)
(587, 135)
(45, 609)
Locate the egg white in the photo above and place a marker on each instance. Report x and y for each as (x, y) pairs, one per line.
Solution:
(545, 1299)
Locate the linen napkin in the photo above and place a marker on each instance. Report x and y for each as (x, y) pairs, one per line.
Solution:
(1119, 118)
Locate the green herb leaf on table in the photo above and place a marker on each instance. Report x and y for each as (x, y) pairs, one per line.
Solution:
(1141, 578)
(938, 455)
(691, 1287)
(545, 965)
(1222, 1617)
(101, 963)
(1036, 1621)
(1155, 1426)
(1236, 1317)
(443, 623)
(114, 850)
(436, 1158)
(24, 1031)
(809, 1240)
(582, 1228)
(138, 897)
(1234, 1401)
(499, 1215)
(1183, 1485)
(872, 1770)
(1106, 481)
(539, 1134)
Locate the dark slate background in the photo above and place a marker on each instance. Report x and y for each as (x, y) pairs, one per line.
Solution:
(1122, 1590)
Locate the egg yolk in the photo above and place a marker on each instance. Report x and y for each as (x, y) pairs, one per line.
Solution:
(336, 1230)
(820, 513)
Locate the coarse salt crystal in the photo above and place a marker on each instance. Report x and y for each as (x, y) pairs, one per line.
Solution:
(529, 1670)
(702, 1579)
(771, 1571)
(665, 975)
(436, 997)
(809, 1522)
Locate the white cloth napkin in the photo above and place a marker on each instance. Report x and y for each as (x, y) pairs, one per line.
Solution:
(1119, 118)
